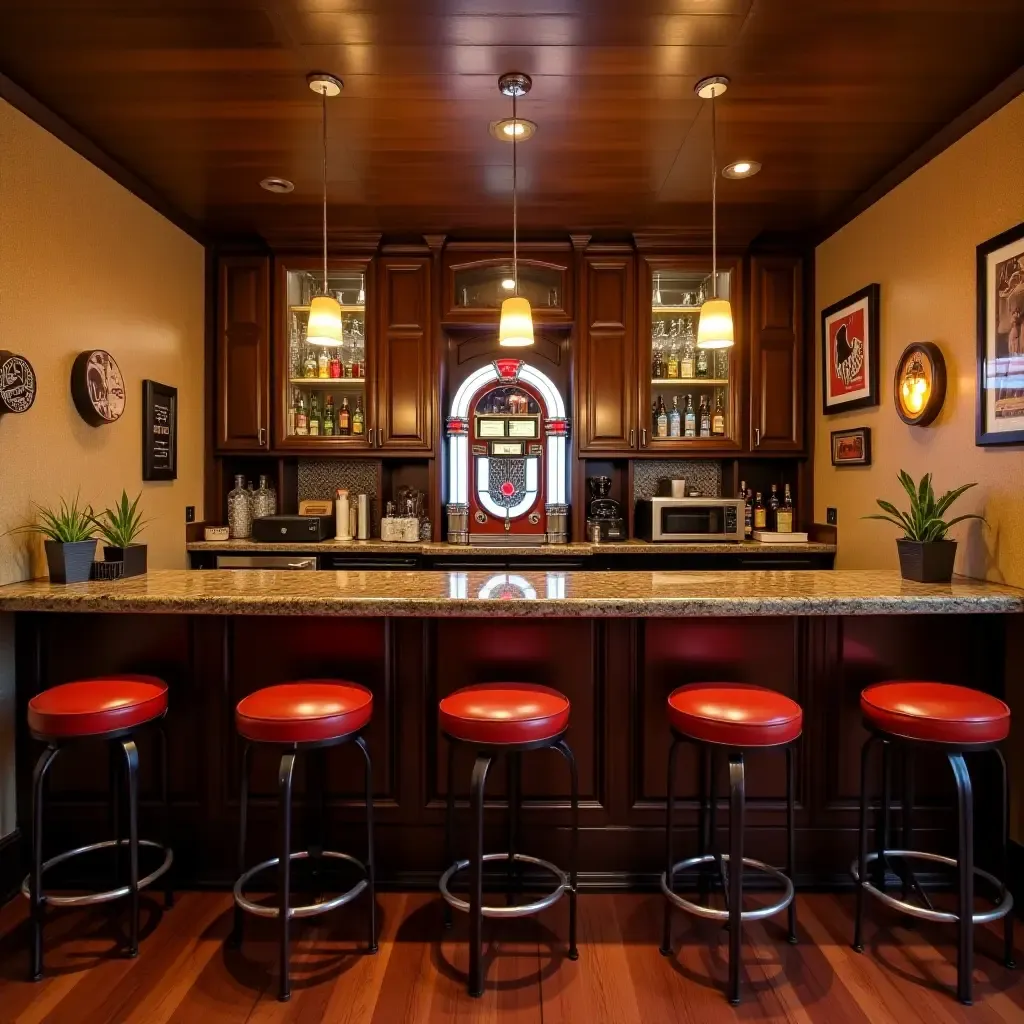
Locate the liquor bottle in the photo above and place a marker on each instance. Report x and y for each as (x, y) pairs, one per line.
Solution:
(309, 367)
(673, 362)
(686, 363)
(328, 427)
(659, 364)
(705, 417)
(301, 418)
(689, 419)
(748, 510)
(760, 513)
(344, 419)
(702, 362)
(662, 430)
(773, 508)
(784, 516)
(335, 365)
(675, 419)
(323, 364)
(294, 349)
(314, 416)
(654, 419)
(718, 420)
(358, 422)
(292, 407)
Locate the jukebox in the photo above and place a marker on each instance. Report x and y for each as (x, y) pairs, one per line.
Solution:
(507, 472)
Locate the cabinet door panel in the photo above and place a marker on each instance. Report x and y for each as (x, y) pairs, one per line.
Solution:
(606, 394)
(404, 382)
(243, 353)
(777, 354)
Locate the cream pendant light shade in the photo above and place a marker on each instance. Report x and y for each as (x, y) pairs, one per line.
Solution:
(516, 327)
(324, 324)
(715, 329)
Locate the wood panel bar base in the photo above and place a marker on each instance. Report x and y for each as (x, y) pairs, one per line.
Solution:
(911, 717)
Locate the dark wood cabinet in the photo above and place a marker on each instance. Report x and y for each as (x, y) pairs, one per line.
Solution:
(606, 392)
(776, 354)
(243, 353)
(404, 361)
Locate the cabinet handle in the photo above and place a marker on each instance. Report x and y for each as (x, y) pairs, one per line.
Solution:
(632, 438)
(757, 437)
(263, 436)
(643, 437)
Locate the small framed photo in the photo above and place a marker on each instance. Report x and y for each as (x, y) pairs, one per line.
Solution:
(849, 356)
(851, 447)
(1000, 413)
(159, 431)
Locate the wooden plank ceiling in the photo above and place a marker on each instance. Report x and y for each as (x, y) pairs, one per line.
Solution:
(203, 98)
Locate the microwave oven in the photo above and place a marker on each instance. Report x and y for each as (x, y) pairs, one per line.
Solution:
(690, 519)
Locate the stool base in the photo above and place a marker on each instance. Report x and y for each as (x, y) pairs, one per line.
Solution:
(519, 910)
(309, 909)
(713, 914)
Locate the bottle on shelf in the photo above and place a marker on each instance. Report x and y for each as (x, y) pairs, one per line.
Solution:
(314, 415)
(323, 364)
(662, 430)
(672, 367)
(686, 364)
(654, 419)
(785, 515)
(265, 501)
(328, 427)
(334, 370)
(702, 362)
(760, 513)
(689, 419)
(748, 510)
(358, 421)
(294, 348)
(773, 508)
(705, 417)
(301, 417)
(309, 365)
(718, 420)
(675, 419)
(292, 410)
(344, 419)
(240, 509)
(659, 365)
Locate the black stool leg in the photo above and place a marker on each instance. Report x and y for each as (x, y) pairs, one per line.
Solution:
(567, 753)
(131, 756)
(736, 801)
(115, 755)
(882, 839)
(165, 799)
(235, 939)
(449, 825)
(316, 790)
(965, 860)
(284, 780)
(36, 900)
(719, 866)
(1005, 865)
(371, 871)
(862, 859)
(704, 783)
(791, 836)
(908, 814)
(666, 934)
(512, 776)
(476, 895)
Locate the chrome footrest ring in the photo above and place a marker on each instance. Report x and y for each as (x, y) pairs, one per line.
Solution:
(1001, 909)
(310, 909)
(521, 910)
(712, 913)
(88, 899)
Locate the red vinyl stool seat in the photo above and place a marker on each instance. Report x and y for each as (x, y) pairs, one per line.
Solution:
(495, 713)
(734, 715)
(94, 707)
(935, 712)
(310, 711)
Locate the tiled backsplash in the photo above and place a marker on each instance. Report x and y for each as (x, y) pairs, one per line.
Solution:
(320, 478)
(704, 476)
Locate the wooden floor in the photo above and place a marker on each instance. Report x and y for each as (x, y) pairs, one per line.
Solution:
(184, 973)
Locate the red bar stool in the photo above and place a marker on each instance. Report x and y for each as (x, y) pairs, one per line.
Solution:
(730, 718)
(507, 719)
(955, 720)
(109, 709)
(299, 717)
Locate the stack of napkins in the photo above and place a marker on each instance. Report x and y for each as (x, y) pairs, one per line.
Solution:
(770, 537)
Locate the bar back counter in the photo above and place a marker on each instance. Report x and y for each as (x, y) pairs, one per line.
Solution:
(615, 643)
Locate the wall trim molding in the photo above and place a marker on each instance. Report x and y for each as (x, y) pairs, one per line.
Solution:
(43, 116)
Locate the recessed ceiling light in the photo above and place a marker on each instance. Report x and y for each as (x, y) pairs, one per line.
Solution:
(280, 185)
(741, 169)
(520, 128)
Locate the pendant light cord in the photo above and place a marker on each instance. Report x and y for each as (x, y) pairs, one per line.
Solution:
(714, 199)
(515, 204)
(323, 118)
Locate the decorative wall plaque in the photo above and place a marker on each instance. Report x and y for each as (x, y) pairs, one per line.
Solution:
(97, 387)
(159, 431)
(17, 383)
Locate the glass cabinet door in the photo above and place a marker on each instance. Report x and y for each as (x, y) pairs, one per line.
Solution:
(479, 286)
(327, 396)
(692, 391)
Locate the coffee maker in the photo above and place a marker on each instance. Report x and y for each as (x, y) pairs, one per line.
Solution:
(604, 516)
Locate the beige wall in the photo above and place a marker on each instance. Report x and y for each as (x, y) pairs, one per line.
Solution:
(84, 264)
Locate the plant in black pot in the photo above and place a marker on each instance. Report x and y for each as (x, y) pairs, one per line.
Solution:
(69, 541)
(926, 556)
(119, 527)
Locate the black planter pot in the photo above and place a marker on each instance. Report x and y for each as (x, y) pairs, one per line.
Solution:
(69, 563)
(133, 556)
(930, 562)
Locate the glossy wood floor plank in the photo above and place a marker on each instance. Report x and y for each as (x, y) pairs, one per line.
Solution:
(186, 975)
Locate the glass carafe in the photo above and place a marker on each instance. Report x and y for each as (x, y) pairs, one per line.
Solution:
(240, 510)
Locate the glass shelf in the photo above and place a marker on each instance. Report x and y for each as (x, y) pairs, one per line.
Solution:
(482, 287)
(344, 309)
(326, 382)
(691, 381)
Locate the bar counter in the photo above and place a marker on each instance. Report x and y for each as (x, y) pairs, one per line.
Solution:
(616, 643)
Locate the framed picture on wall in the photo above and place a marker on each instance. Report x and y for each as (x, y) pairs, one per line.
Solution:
(159, 431)
(1000, 413)
(849, 356)
(851, 447)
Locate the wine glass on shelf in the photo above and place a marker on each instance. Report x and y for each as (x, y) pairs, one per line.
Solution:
(656, 299)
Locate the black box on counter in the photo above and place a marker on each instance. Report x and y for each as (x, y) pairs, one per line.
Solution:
(292, 529)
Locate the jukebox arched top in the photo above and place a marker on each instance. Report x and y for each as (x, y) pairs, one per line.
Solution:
(507, 435)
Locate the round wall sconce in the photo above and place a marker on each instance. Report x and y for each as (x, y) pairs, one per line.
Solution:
(919, 388)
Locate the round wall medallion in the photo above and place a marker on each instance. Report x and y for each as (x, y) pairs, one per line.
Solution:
(17, 383)
(919, 387)
(97, 387)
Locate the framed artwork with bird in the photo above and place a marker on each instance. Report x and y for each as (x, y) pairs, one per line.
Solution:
(849, 352)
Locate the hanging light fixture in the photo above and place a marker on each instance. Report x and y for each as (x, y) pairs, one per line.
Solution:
(715, 327)
(516, 327)
(324, 326)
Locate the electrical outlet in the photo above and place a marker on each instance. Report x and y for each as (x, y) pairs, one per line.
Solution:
(190, 513)
(831, 516)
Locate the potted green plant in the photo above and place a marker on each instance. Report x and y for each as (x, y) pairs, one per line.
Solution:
(69, 543)
(926, 556)
(119, 527)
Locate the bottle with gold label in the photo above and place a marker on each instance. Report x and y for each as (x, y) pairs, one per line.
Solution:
(358, 420)
(323, 365)
(672, 369)
(314, 416)
(784, 514)
(344, 419)
(309, 364)
(760, 513)
(328, 427)
(718, 420)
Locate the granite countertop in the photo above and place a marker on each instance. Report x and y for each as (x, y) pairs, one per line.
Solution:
(526, 594)
(573, 550)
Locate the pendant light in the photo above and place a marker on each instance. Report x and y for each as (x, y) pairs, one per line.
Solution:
(324, 325)
(516, 327)
(715, 327)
